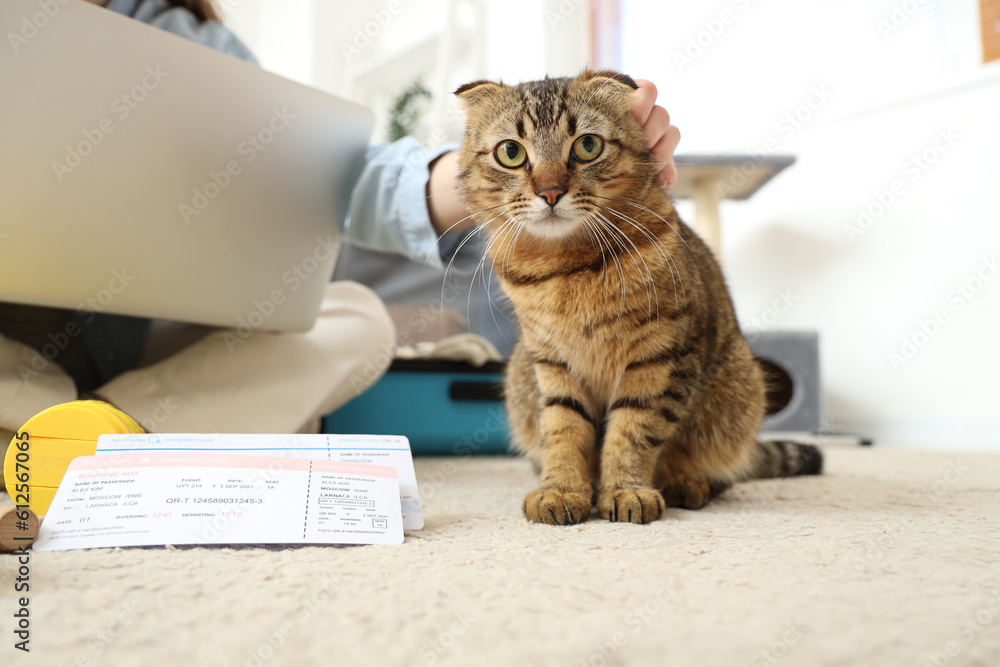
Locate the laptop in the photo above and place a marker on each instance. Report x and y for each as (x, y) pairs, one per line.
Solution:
(143, 174)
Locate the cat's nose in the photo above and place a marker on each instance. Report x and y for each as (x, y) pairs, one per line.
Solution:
(551, 195)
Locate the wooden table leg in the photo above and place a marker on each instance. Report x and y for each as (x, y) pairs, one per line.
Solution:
(706, 196)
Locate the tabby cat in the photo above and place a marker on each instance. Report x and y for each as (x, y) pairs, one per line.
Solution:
(631, 386)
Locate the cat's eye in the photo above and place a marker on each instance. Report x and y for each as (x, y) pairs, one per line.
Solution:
(587, 147)
(511, 154)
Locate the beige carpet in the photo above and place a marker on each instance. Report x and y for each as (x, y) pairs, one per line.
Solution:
(891, 558)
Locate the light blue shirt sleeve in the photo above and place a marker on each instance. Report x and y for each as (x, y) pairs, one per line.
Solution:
(388, 210)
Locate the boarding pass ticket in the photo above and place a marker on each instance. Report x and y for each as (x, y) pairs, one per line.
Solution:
(386, 450)
(181, 498)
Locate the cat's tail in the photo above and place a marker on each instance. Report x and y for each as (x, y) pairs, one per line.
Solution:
(782, 458)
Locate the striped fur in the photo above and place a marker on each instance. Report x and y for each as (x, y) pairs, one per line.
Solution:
(631, 386)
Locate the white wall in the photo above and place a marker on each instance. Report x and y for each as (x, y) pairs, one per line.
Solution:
(892, 84)
(867, 292)
(279, 33)
(887, 94)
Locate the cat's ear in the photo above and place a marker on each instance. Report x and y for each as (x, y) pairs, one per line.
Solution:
(471, 93)
(624, 79)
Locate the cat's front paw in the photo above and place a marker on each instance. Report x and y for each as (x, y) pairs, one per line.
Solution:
(556, 507)
(635, 505)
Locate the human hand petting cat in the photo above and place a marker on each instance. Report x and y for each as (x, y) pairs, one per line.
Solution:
(661, 137)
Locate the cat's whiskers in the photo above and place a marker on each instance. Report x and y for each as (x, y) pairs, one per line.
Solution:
(660, 249)
(504, 229)
(604, 222)
(590, 236)
(601, 227)
(509, 250)
(594, 230)
(510, 226)
(671, 227)
(487, 280)
(651, 212)
(512, 247)
(651, 296)
(520, 222)
(595, 244)
(657, 244)
(477, 228)
(483, 225)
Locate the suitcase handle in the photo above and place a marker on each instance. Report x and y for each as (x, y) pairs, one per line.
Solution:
(464, 390)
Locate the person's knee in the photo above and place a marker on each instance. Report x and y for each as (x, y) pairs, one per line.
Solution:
(377, 345)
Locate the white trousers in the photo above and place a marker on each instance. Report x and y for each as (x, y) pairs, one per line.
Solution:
(224, 383)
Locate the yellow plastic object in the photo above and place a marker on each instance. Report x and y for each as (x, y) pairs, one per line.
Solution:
(55, 437)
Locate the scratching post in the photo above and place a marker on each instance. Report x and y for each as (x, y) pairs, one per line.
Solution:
(791, 367)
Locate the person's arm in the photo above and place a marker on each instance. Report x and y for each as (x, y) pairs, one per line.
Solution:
(448, 212)
(446, 208)
(389, 207)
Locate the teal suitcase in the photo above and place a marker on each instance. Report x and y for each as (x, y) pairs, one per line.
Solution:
(443, 407)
